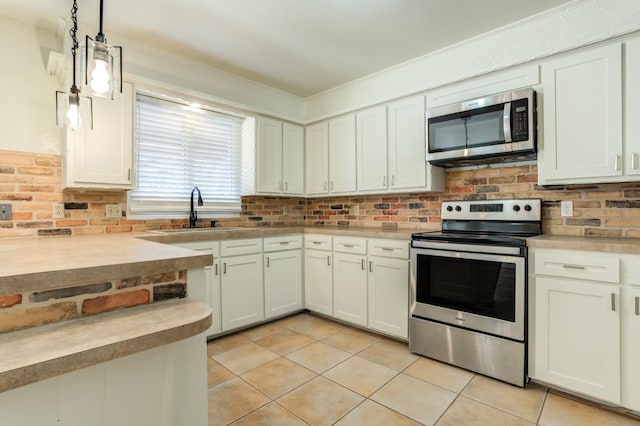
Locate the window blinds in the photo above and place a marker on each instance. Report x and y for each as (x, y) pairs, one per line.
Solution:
(179, 147)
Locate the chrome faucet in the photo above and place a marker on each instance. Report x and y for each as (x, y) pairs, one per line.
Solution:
(193, 214)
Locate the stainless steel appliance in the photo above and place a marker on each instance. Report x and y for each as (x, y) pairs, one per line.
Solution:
(468, 295)
(495, 128)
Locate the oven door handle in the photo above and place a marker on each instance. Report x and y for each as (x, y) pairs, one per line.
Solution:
(490, 257)
(474, 248)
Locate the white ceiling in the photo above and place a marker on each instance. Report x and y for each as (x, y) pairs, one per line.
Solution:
(300, 46)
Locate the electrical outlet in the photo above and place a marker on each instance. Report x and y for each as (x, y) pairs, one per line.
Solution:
(113, 210)
(58, 211)
(566, 208)
(356, 210)
(285, 210)
(5, 211)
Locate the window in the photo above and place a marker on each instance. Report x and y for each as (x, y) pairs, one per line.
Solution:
(179, 147)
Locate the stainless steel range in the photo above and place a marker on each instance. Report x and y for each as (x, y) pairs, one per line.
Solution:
(468, 291)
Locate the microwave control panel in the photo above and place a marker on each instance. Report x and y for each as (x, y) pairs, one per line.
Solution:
(519, 120)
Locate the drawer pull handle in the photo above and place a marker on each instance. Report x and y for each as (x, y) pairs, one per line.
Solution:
(573, 266)
(328, 260)
(216, 269)
(267, 261)
(284, 243)
(386, 248)
(316, 242)
(370, 266)
(348, 245)
(613, 302)
(637, 306)
(224, 267)
(362, 264)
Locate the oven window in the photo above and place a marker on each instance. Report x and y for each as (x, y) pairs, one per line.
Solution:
(476, 286)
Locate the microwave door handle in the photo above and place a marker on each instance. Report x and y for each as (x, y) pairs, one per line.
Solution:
(506, 121)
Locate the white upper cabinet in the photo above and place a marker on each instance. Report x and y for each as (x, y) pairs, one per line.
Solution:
(280, 157)
(292, 159)
(371, 137)
(342, 154)
(269, 155)
(632, 105)
(317, 159)
(102, 157)
(582, 99)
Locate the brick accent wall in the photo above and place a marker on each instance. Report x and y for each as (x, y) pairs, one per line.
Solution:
(33, 182)
(32, 309)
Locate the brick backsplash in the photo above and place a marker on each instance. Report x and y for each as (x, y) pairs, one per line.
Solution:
(33, 182)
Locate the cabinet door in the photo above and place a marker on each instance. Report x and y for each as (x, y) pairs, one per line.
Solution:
(350, 288)
(318, 281)
(242, 291)
(577, 339)
(342, 154)
(388, 283)
(371, 138)
(282, 282)
(292, 159)
(631, 348)
(317, 159)
(269, 155)
(407, 143)
(102, 157)
(583, 116)
(632, 123)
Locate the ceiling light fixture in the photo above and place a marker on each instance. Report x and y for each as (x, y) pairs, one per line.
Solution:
(68, 105)
(103, 65)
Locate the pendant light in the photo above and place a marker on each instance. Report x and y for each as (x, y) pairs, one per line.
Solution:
(68, 104)
(103, 65)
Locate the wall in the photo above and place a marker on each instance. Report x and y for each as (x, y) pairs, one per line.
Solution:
(576, 24)
(33, 182)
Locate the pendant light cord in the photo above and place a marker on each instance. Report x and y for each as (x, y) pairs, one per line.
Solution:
(74, 39)
(100, 36)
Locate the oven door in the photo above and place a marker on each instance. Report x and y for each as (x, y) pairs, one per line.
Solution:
(477, 291)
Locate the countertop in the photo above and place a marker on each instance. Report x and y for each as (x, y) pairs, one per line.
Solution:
(604, 244)
(39, 353)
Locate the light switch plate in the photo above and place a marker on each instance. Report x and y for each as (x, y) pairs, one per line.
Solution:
(5, 211)
(566, 208)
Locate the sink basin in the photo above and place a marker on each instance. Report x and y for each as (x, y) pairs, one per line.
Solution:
(192, 230)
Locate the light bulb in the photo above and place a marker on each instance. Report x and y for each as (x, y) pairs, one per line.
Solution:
(73, 116)
(100, 77)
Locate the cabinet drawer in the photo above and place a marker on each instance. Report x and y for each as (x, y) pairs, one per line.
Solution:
(287, 242)
(244, 246)
(350, 245)
(212, 246)
(389, 248)
(594, 268)
(318, 242)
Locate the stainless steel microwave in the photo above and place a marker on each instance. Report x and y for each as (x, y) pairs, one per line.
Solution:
(495, 128)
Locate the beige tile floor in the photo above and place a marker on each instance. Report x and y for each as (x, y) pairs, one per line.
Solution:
(309, 370)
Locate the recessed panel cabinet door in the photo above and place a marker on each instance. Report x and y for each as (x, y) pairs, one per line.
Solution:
(269, 155)
(242, 291)
(371, 139)
(388, 283)
(317, 159)
(350, 288)
(631, 348)
(577, 344)
(582, 103)
(318, 281)
(292, 159)
(407, 144)
(342, 154)
(632, 105)
(102, 157)
(282, 282)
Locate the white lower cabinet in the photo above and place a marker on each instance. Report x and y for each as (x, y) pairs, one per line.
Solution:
(350, 288)
(318, 274)
(578, 336)
(242, 287)
(631, 347)
(388, 283)
(282, 275)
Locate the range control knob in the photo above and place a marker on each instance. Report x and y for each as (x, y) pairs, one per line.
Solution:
(458, 208)
(527, 207)
(449, 208)
(516, 208)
